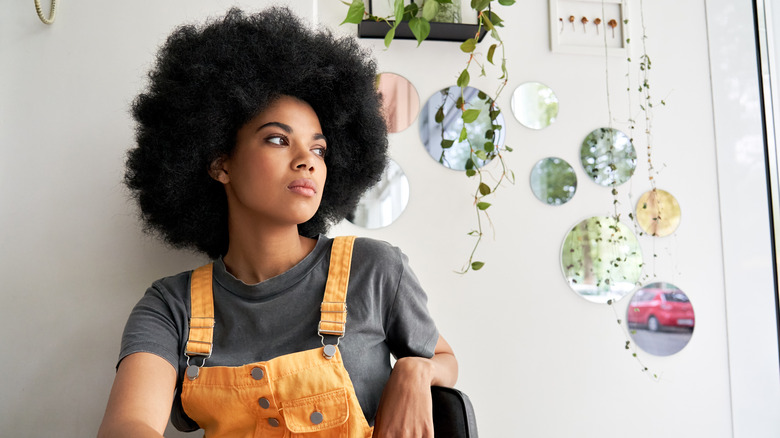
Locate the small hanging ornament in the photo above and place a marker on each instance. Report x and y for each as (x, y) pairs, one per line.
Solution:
(584, 21)
(571, 20)
(596, 22)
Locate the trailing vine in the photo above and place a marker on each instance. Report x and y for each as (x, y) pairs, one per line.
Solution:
(419, 19)
(645, 106)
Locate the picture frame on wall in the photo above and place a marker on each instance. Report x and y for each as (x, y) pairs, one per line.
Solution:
(584, 27)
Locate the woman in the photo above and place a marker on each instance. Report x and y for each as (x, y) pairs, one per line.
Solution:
(254, 136)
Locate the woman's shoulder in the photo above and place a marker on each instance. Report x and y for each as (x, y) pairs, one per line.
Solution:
(373, 249)
(175, 287)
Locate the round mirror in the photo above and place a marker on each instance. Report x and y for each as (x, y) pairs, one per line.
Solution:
(661, 319)
(534, 105)
(658, 213)
(608, 156)
(553, 181)
(454, 145)
(382, 204)
(400, 101)
(601, 259)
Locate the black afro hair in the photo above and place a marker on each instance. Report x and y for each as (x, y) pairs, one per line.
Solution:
(209, 80)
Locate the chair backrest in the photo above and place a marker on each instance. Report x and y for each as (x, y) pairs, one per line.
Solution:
(453, 415)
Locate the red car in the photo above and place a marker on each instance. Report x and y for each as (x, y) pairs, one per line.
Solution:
(656, 307)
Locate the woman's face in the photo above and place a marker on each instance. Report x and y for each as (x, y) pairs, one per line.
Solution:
(277, 171)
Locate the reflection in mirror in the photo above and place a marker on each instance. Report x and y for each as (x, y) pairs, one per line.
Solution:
(658, 213)
(553, 181)
(661, 319)
(444, 136)
(601, 259)
(382, 204)
(534, 105)
(608, 156)
(400, 101)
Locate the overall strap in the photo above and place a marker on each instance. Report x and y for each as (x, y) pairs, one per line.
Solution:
(200, 341)
(333, 310)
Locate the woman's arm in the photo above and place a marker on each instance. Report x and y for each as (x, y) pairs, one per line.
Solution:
(405, 409)
(141, 398)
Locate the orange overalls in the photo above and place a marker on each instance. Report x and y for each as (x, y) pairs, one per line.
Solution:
(306, 394)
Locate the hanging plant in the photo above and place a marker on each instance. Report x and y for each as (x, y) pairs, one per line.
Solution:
(419, 20)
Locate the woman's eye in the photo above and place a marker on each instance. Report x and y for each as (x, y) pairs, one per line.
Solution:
(277, 139)
(320, 151)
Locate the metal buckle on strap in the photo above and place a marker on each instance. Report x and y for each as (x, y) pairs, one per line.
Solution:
(342, 311)
(197, 353)
(339, 333)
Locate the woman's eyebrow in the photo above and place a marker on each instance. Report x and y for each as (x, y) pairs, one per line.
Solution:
(288, 129)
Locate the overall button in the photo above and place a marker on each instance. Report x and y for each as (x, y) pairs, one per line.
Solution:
(257, 373)
(264, 403)
(273, 422)
(192, 372)
(316, 418)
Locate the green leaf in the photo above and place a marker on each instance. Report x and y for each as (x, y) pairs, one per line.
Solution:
(470, 165)
(464, 78)
(459, 102)
(444, 2)
(430, 9)
(470, 115)
(399, 12)
(484, 189)
(389, 36)
(446, 144)
(355, 13)
(481, 154)
(477, 265)
(410, 11)
(470, 172)
(463, 135)
(483, 205)
(508, 148)
(469, 45)
(488, 146)
(489, 134)
(486, 22)
(439, 115)
(420, 28)
(479, 5)
(506, 2)
(491, 52)
(496, 20)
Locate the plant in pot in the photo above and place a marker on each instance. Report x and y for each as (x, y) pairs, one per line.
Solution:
(420, 18)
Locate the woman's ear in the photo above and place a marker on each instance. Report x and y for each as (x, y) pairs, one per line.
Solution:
(218, 170)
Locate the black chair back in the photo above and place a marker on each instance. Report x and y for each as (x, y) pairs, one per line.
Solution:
(453, 415)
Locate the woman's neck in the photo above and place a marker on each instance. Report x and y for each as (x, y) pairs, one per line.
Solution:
(261, 253)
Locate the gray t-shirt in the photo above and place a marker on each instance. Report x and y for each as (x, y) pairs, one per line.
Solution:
(386, 314)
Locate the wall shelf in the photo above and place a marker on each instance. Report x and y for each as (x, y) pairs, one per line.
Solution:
(439, 31)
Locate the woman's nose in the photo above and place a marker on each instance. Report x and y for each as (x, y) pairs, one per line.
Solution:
(304, 159)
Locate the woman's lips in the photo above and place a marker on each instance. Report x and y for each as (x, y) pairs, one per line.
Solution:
(303, 186)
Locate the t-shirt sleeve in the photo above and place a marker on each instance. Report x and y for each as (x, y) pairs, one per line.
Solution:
(153, 327)
(410, 329)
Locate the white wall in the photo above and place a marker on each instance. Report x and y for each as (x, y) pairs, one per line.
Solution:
(536, 360)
